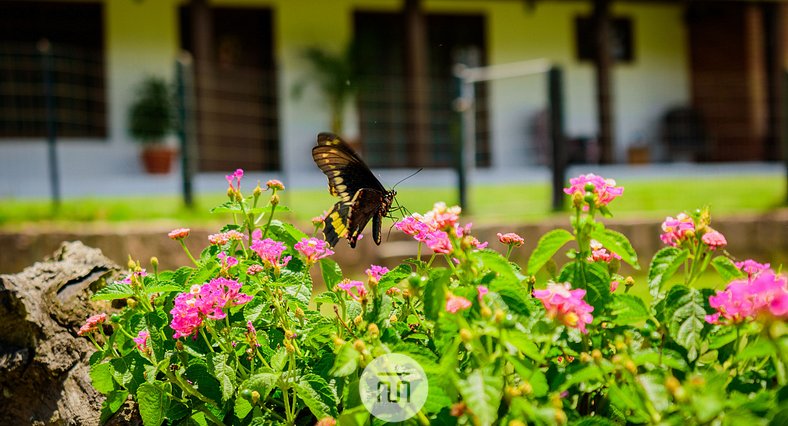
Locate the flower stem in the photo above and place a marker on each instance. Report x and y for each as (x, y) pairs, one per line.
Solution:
(188, 253)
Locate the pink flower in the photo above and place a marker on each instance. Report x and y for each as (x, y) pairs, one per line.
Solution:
(313, 249)
(226, 260)
(456, 303)
(205, 301)
(468, 240)
(677, 230)
(139, 274)
(179, 234)
(751, 267)
(235, 176)
(566, 305)
(613, 286)
(600, 254)
(605, 190)
(482, 290)
(354, 289)
(438, 242)
(376, 272)
(223, 238)
(142, 339)
(270, 252)
(413, 226)
(275, 184)
(254, 269)
(766, 294)
(510, 238)
(714, 240)
(442, 217)
(92, 324)
(317, 220)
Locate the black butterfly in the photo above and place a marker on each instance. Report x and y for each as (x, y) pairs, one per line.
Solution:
(362, 197)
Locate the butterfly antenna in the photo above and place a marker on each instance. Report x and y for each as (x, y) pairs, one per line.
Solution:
(408, 177)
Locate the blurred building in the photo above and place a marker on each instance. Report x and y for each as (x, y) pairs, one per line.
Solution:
(684, 80)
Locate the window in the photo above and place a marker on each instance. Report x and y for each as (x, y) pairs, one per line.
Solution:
(76, 36)
(621, 45)
(380, 46)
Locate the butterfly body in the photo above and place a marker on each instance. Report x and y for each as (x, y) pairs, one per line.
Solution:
(361, 196)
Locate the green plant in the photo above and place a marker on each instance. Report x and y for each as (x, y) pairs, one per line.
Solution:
(239, 336)
(151, 113)
(335, 75)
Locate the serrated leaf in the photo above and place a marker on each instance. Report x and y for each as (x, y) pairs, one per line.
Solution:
(162, 288)
(594, 421)
(153, 403)
(547, 247)
(688, 319)
(242, 407)
(298, 286)
(346, 361)
(627, 309)
(114, 401)
(525, 344)
(594, 278)
(663, 266)
(482, 392)
(129, 371)
(224, 374)
(226, 207)
(114, 291)
(317, 395)
(617, 243)
(203, 380)
(331, 272)
(101, 377)
(505, 272)
(393, 277)
(726, 268)
(285, 232)
(263, 382)
(514, 296)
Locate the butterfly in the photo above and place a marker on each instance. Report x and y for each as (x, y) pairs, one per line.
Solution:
(361, 195)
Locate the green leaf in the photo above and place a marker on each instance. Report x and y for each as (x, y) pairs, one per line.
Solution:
(435, 293)
(663, 266)
(224, 374)
(393, 277)
(346, 361)
(594, 278)
(726, 268)
(317, 395)
(113, 291)
(101, 377)
(688, 319)
(331, 272)
(505, 272)
(594, 421)
(129, 371)
(162, 288)
(758, 349)
(114, 401)
(482, 392)
(153, 403)
(263, 382)
(617, 243)
(627, 309)
(525, 344)
(547, 247)
(532, 375)
(242, 407)
(285, 232)
(298, 286)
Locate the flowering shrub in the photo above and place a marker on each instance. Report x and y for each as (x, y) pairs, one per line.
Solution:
(240, 336)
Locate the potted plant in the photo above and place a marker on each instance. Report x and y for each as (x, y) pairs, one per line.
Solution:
(150, 121)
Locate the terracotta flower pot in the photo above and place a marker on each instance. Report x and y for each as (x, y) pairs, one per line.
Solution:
(158, 159)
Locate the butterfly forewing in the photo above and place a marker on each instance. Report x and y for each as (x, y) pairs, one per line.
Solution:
(362, 197)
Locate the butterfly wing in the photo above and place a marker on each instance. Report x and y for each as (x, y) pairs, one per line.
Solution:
(361, 194)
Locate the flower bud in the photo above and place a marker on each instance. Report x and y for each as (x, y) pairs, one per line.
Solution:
(275, 199)
(629, 281)
(338, 341)
(132, 264)
(513, 392)
(257, 190)
(358, 320)
(631, 367)
(255, 397)
(486, 312)
(393, 318)
(231, 193)
(373, 331)
(359, 346)
(299, 313)
(466, 335)
(516, 423)
(560, 417)
(526, 388)
(589, 198)
(154, 261)
(499, 316)
(585, 358)
(289, 347)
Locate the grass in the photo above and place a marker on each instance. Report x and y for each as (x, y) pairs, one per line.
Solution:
(651, 200)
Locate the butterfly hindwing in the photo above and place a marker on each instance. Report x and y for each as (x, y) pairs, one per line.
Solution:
(362, 196)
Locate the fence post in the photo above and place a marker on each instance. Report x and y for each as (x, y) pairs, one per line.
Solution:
(45, 49)
(187, 135)
(555, 97)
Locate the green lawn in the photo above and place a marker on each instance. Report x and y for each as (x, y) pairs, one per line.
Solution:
(498, 204)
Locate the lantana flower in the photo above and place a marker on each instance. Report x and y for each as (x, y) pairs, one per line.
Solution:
(676, 231)
(455, 303)
(375, 272)
(223, 238)
(600, 254)
(566, 305)
(714, 239)
(275, 184)
(235, 177)
(92, 324)
(481, 290)
(142, 339)
(179, 233)
(511, 239)
(354, 289)
(270, 251)
(604, 190)
(205, 301)
(751, 267)
(438, 228)
(313, 249)
(766, 294)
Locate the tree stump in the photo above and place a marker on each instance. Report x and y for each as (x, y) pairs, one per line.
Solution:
(44, 370)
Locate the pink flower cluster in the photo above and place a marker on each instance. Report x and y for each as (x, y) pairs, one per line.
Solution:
(714, 239)
(766, 294)
(235, 176)
(223, 238)
(354, 289)
(481, 290)
(142, 339)
(375, 272)
(436, 227)
(226, 261)
(752, 268)
(92, 324)
(566, 305)
(270, 251)
(275, 184)
(313, 249)
(455, 304)
(511, 239)
(139, 274)
(179, 234)
(600, 253)
(605, 190)
(675, 231)
(205, 301)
